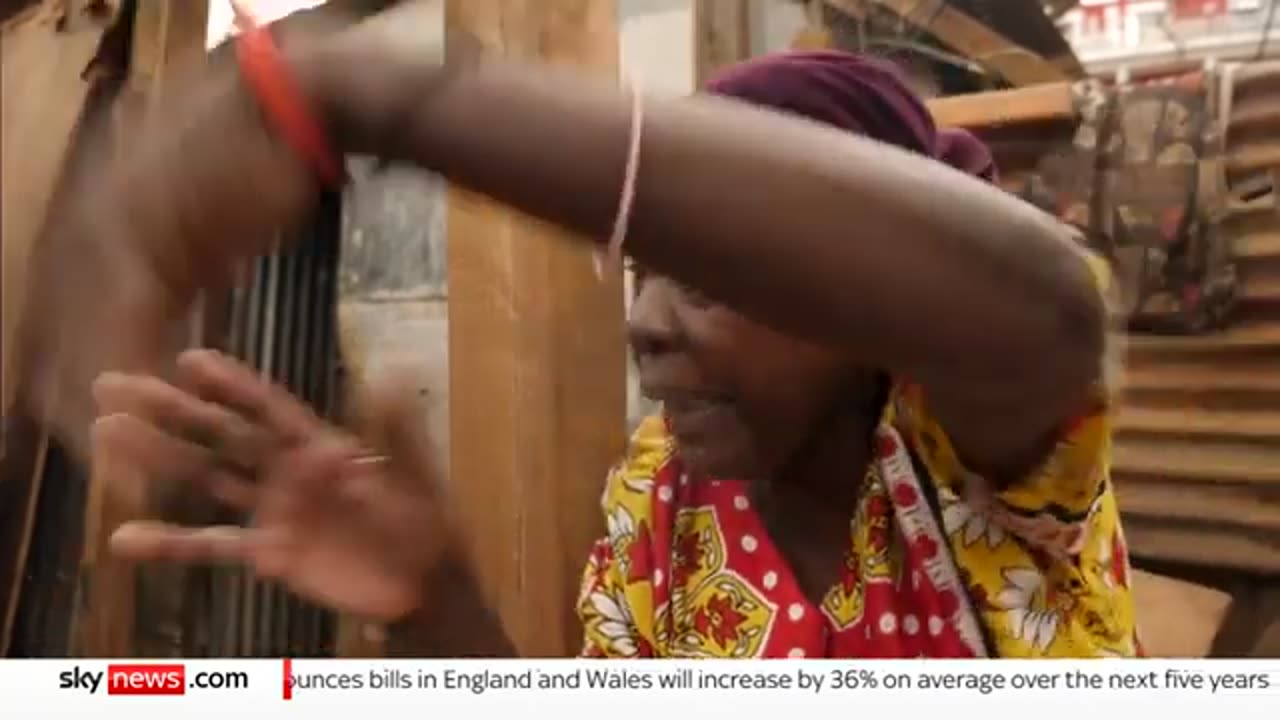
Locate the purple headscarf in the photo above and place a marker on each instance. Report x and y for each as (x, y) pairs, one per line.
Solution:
(855, 93)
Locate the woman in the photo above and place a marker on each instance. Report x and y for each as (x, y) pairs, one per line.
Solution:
(885, 427)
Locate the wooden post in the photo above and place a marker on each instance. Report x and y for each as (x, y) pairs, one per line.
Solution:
(536, 361)
(721, 36)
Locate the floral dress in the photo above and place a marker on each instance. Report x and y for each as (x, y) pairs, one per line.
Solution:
(939, 563)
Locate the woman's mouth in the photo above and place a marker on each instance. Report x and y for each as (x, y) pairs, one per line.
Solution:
(687, 402)
(712, 439)
(696, 417)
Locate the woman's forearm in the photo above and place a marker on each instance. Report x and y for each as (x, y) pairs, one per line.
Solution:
(838, 238)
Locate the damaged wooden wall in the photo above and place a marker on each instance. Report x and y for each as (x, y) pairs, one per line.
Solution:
(47, 49)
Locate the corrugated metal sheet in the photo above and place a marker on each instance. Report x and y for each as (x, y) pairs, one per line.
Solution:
(1197, 454)
(282, 322)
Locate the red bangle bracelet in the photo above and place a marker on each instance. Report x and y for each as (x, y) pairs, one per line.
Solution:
(284, 103)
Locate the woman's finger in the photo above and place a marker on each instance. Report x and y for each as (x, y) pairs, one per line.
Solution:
(232, 439)
(150, 449)
(156, 541)
(220, 379)
(305, 477)
(156, 454)
(231, 489)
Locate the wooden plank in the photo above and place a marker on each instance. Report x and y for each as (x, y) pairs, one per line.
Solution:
(1232, 339)
(721, 36)
(1234, 463)
(536, 361)
(1199, 423)
(1040, 103)
(165, 33)
(105, 627)
(972, 39)
(1247, 508)
(44, 92)
(45, 52)
(1174, 377)
(1204, 546)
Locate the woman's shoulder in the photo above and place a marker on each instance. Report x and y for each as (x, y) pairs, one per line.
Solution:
(1055, 498)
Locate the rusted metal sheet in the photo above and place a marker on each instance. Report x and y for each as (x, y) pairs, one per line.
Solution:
(283, 323)
(1197, 447)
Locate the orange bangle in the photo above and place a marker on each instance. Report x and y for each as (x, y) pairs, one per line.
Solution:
(284, 103)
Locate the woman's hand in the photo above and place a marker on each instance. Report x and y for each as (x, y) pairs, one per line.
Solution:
(331, 519)
(198, 184)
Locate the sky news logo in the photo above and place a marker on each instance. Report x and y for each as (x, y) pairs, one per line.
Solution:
(148, 679)
(127, 679)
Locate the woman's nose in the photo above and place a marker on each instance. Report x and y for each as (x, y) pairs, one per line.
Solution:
(652, 327)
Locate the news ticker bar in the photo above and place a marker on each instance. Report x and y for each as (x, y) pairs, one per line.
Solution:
(1240, 686)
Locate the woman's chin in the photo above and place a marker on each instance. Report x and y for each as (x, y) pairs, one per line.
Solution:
(713, 441)
(715, 463)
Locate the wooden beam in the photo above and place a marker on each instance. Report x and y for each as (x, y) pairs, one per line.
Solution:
(1016, 64)
(536, 361)
(721, 36)
(1005, 107)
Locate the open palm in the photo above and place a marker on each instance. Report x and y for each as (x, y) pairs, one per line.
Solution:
(334, 521)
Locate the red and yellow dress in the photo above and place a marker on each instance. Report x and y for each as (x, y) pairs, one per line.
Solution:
(948, 569)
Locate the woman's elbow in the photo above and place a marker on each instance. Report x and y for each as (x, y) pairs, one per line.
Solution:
(1081, 321)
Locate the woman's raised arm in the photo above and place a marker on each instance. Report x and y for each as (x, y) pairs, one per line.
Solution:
(903, 261)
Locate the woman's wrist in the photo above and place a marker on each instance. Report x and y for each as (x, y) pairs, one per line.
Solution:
(368, 82)
(312, 67)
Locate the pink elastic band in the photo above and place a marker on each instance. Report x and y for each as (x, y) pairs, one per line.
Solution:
(612, 258)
